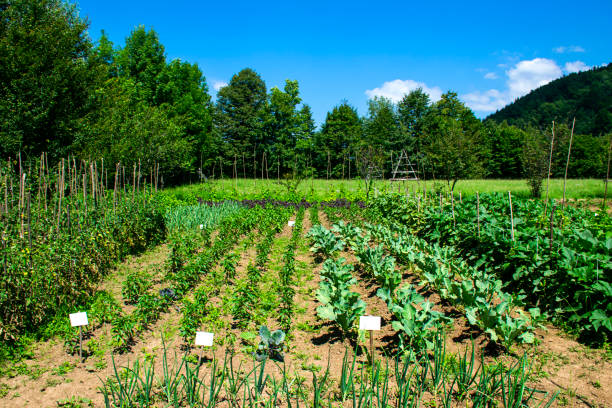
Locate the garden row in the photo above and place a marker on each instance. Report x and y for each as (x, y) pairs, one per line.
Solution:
(557, 258)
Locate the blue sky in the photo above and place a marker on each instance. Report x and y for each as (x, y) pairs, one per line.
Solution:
(488, 52)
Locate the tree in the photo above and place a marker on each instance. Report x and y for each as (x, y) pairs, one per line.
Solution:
(183, 93)
(127, 130)
(411, 111)
(338, 138)
(505, 144)
(45, 77)
(535, 160)
(304, 144)
(382, 125)
(240, 106)
(283, 124)
(453, 140)
(142, 60)
(382, 129)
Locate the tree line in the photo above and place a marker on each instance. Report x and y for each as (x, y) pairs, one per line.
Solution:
(60, 93)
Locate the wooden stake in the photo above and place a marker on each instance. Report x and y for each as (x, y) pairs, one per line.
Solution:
(552, 140)
(372, 346)
(569, 150)
(511, 216)
(453, 208)
(81, 343)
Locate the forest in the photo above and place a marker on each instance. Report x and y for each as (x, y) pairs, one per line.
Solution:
(63, 94)
(583, 95)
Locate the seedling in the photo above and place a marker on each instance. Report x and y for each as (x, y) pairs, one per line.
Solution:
(271, 345)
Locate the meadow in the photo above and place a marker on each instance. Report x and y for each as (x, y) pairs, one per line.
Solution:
(320, 189)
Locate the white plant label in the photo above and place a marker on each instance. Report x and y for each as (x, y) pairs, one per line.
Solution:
(201, 226)
(78, 319)
(204, 339)
(291, 223)
(369, 323)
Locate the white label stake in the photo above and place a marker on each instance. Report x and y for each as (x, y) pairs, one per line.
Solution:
(370, 323)
(203, 339)
(79, 320)
(291, 223)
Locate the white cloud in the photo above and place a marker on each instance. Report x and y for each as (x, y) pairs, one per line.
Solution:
(491, 75)
(522, 78)
(218, 85)
(575, 66)
(530, 74)
(395, 90)
(570, 48)
(488, 101)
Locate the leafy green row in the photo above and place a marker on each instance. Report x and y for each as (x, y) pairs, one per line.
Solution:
(249, 302)
(558, 257)
(486, 304)
(287, 275)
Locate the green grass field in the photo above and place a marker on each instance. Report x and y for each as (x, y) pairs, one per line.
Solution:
(325, 189)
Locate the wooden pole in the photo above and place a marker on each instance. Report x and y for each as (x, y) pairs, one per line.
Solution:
(569, 150)
(81, 344)
(372, 346)
(453, 208)
(511, 216)
(552, 141)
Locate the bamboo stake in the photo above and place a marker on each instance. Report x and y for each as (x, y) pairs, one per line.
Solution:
(134, 182)
(552, 140)
(569, 150)
(22, 194)
(117, 170)
(85, 192)
(453, 208)
(511, 216)
(30, 231)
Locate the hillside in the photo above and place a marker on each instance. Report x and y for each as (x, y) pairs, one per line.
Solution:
(584, 95)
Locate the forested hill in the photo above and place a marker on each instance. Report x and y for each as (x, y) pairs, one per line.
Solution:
(584, 95)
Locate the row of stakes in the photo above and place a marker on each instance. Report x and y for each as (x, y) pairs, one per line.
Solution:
(205, 339)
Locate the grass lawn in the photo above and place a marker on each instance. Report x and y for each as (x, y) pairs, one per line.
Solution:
(326, 189)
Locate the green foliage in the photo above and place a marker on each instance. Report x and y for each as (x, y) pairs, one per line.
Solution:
(339, 304)
(324, 241)
(190, 217)
(583, 95)
(414, 317)
(62, 268)
(271, 345)
(45, 79)
(339, 133)
(535, 164)
(239, 108)
(568, 276)
(453, 143)
(104, 308)
(134, 286)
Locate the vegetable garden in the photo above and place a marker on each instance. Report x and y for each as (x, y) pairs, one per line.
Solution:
(486, 300)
